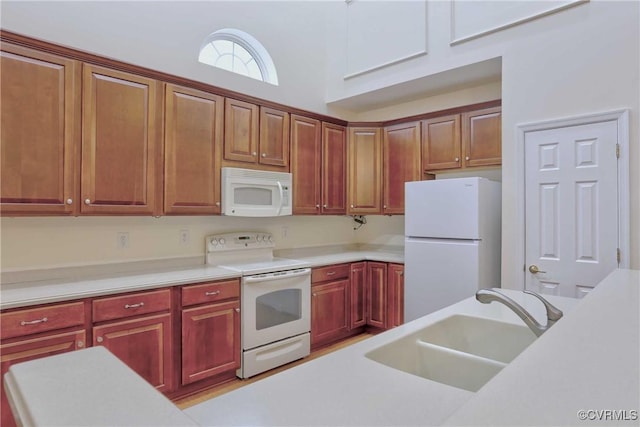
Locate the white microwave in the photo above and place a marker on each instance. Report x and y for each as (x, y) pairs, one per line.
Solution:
(253, 193)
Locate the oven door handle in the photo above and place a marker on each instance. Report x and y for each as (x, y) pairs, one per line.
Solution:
(273, 276)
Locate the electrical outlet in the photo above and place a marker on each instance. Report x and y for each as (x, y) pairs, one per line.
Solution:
(122, 240)
(285, 231)
(184, 237)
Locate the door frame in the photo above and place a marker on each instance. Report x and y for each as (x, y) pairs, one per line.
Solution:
(621, 117)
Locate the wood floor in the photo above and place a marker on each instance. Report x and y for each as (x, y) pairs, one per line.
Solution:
(237, 383)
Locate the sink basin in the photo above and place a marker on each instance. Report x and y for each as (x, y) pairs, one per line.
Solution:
(461, 351)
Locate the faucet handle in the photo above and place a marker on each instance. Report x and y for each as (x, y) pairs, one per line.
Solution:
(553, 313)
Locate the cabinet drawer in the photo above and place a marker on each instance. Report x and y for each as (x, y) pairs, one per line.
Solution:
(207, 292)
(35, 320)
(331, 272)
(131, 305)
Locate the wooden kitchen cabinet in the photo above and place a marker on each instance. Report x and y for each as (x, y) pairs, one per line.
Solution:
(33, 333)
(470, 139)
(193, 132)
(358, 294)
(401, 148)
(329, 304)
(136, 328)
(318, 165)
(334, 169)
(210, 330)
(241, 131)
(482, 137)
(39, 132)
(121, 145)
(306, 165)
(365, 171)
(376, 294)
(274, 138)
(395, 295)
(441, 147)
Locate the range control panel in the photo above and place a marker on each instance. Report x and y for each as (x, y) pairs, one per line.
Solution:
(239, 241)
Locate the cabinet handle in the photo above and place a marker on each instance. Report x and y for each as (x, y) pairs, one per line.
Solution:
(254, 154)
(212, 293)
(138, 305)
(217, 203)
(331, 273)
(352, 206)
(317, 206)
(33, 322)
(384, 207)
(80, 344)
(457, 159)
(324, 206)
(264, 154)
(99, 339)
(466, 158)
(69, 201)
(315, 295)
(237, 310)
(87, 201)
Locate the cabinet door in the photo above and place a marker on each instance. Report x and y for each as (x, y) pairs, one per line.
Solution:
(365, 171)
(240, 131)
(39, 132)
(401, 163)
(357, 294)
(210, 340)
(144, 344)
(334, 169)
(305, 165)
(274, 138)
(482, 137)
(329, 311)
(377, 294)
(121, 150)
(395, 301)
(30, 349)
(441, 143)
(193, 140)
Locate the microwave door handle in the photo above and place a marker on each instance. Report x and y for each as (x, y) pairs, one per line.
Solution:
(281, 197)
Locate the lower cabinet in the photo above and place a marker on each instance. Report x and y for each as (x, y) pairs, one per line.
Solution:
(376, 294)
(210, 332)
(395, 295)
(136, 328)
(329, 304)
(358, 294)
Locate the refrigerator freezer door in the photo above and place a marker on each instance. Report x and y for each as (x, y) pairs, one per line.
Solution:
(438, 273)
(447, 208)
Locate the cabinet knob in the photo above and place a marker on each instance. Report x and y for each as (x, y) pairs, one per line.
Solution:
(217, 203)
(264, 154)
(69, 201)
(315, 295)
(254, 154)
(317, 206)
(80, 344)
(99, 339)
(237, 310)
(87, 201)
(351, 205)
(384, 207)
(466, 158)
(457, 159)
(324, 206)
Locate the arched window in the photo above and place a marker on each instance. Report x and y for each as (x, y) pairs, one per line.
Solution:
(236, 51)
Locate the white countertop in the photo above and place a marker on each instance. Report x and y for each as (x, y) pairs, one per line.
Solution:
(23, 294)
(87, 387)
(346, 388)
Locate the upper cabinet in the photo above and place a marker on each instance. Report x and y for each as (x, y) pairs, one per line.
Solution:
(318, 165)
(365, 171)
(193, 132)
(482, 137)
(401, 146)
(469, 139)
(255, 137)
(39, 132)
(334, 169)
(121, 146)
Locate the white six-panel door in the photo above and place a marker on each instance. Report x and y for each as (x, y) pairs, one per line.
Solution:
(571, 208)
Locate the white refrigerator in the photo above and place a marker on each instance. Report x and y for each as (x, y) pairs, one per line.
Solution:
(452, 242)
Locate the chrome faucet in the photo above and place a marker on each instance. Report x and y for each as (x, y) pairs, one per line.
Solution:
(486, 296)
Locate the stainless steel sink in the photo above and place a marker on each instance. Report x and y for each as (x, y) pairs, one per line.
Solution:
(461, 351)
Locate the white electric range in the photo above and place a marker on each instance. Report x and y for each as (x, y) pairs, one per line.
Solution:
(275, 299)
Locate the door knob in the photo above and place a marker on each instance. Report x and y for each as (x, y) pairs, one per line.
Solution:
(534, 269)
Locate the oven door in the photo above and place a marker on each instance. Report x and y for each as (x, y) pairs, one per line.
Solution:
(275, 306)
